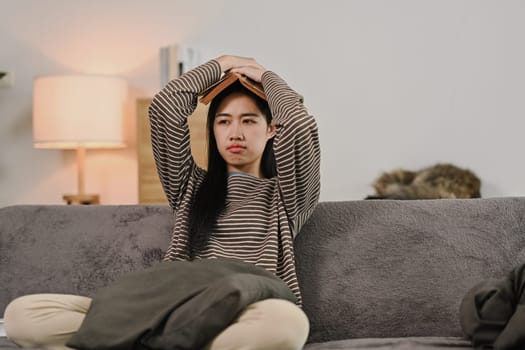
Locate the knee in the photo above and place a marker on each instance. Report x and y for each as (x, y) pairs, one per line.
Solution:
(44, 320)
(18, 322)
(288, 324)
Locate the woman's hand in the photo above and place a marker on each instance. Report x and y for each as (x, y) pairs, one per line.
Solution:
(243, 65)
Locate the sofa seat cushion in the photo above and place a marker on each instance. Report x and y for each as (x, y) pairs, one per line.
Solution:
(6, 344)
(409, 343)
(415, 343)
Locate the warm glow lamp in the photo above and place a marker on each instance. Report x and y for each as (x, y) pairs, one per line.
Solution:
(78, 112)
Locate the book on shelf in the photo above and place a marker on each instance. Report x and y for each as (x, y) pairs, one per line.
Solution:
(228, 79)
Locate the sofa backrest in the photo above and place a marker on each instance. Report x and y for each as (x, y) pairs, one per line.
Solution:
(76, 249)
(400, 268)
(366, 268)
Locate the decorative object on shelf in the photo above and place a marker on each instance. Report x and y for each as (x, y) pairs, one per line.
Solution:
(176, 60)
(79, 112)
(435, 182)
(6, 78)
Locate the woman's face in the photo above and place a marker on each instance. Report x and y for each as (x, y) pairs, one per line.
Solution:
(241, 132)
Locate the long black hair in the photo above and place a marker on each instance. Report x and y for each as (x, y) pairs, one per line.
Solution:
(209, 201)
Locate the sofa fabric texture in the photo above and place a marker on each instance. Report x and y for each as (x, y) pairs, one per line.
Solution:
(378, 274)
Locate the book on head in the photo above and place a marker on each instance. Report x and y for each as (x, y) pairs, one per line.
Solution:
(228, 79)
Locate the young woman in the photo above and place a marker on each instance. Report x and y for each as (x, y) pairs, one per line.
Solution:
(261, 185)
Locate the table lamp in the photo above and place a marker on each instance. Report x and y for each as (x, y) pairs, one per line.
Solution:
(78, 112)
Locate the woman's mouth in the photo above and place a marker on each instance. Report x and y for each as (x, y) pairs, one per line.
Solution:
(236, 148)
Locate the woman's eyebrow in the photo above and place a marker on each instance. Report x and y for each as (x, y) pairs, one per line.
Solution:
(248, 114)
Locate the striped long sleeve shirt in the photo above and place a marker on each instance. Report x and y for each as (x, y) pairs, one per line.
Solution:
(261, 216)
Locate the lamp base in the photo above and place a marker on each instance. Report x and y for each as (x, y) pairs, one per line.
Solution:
(85, 199)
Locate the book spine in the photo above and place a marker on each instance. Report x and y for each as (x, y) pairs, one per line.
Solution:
(164, 66)
(174, 62)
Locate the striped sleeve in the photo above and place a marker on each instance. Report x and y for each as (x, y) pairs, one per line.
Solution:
(170, 136)
(296, 148)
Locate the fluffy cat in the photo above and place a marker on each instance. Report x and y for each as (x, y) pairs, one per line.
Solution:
(438, 181)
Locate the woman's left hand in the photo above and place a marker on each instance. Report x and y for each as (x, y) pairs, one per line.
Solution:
(242, 65)
(253, 71)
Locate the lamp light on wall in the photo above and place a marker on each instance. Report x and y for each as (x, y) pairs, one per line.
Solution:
(78, 112)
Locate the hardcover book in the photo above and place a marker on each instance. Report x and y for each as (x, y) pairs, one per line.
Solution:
(226, 81)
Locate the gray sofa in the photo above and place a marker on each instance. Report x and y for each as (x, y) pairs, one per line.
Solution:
(374, 274)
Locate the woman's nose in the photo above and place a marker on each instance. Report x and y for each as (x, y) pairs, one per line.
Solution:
(236, 137)
(236, 132)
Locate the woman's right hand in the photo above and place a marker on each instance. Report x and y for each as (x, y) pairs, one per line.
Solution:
(243, 65)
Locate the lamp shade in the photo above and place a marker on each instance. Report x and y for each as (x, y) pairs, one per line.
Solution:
(72, 111)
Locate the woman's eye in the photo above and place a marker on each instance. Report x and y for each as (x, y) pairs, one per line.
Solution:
(248, 121)
(223, 122)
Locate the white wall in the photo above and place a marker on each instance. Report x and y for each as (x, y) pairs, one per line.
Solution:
(405, 83)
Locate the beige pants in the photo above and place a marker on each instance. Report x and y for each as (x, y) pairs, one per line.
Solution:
(49, 320)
